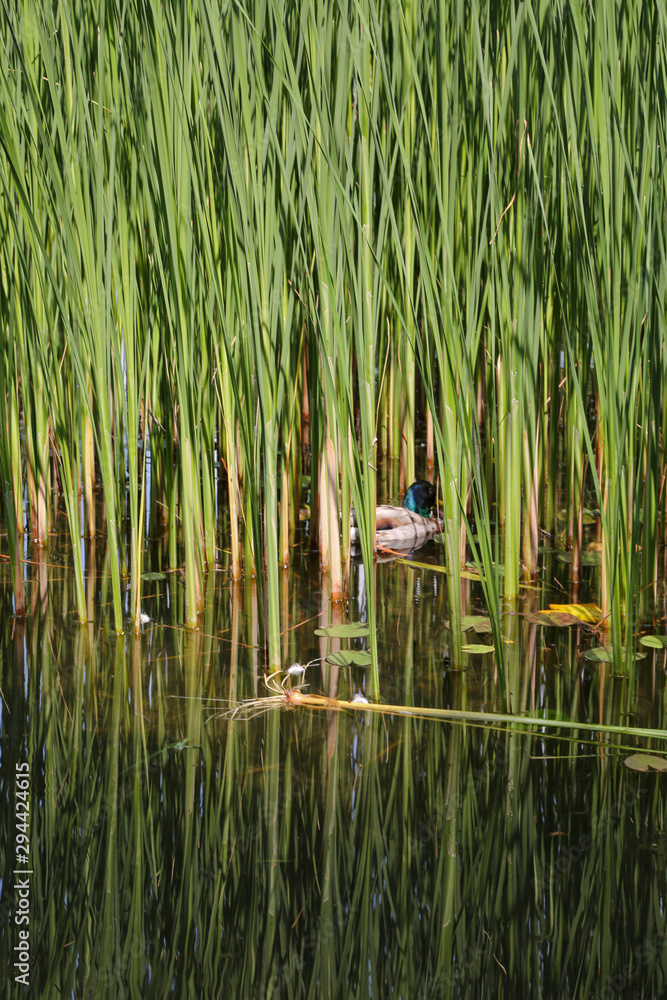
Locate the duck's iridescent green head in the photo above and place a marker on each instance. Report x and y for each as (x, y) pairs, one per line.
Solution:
(420, 498)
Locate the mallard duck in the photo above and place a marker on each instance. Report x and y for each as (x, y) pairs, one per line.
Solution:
(404, 528)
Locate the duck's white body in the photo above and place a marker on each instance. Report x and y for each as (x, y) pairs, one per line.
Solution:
(399, 529)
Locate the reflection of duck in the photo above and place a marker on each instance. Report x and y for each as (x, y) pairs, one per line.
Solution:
(407, 527)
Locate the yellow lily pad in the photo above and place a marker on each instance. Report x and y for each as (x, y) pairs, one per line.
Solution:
(588, 613)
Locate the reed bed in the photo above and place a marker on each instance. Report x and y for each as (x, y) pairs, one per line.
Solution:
(243, 244)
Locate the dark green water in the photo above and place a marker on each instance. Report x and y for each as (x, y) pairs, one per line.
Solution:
(297, 853)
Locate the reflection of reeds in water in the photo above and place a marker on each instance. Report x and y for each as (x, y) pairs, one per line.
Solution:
(320, 852)
(248, 228)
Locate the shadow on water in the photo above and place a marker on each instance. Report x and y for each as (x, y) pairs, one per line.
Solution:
(294, 853)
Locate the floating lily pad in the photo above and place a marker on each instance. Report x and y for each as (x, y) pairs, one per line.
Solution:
(588, 613)
(599, 654)
(350, 658)
(354, 630)
(476, 648)
(150, 577)
(477, 622)
(588, 558)
(565, 614)
(646, 762)
(654, 641)
(551, 618)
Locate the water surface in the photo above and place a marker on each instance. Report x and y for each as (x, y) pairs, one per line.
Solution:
(177, 850)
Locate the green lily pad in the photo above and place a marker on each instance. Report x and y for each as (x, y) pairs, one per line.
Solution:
(654, 641)
(599, 654)
(645, 762)
(353, 630)
(602, 654)
(350, 658)
(588, 558)
(150, 577)
(475, 647)
(477, 622)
